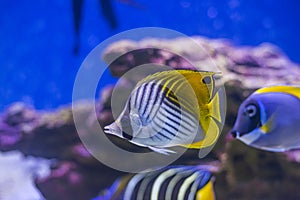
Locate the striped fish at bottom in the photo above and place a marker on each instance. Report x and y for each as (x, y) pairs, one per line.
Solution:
(172, 182)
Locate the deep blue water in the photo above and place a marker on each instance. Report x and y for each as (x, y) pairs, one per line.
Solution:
(37, 37)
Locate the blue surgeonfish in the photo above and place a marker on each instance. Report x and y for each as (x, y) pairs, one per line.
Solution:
(172, 182)
(269, 119)
(172, 108)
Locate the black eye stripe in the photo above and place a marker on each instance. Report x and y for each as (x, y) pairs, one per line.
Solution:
(126, 128)
(127, 136)
(206, 80)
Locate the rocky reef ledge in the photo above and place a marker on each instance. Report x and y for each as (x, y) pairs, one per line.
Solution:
(245, 173)
(253, 67)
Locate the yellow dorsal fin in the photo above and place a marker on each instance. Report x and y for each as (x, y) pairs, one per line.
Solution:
(289, 89)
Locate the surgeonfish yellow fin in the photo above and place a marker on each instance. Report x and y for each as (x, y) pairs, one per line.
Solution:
(207, 192)
(288, 89)
(269, 125)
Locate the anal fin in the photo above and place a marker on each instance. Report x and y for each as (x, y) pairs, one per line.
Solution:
(161, 150)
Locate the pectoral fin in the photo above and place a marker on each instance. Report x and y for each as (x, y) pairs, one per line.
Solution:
(269, 125)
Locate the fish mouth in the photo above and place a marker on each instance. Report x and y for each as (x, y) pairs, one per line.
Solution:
(112, 129)
(235, 134)
(107, 130)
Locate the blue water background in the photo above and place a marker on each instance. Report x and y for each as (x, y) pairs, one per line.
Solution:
(37, 62)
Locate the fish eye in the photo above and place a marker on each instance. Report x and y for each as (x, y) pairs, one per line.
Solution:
(206, 80)
(250, 110)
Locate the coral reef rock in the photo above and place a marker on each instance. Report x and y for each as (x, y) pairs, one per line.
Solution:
(254, 67)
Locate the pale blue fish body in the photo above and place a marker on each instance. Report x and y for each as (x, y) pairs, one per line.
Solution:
(275, 126)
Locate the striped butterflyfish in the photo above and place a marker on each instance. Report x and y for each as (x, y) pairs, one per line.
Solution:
(172, 182)
(172, 108)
